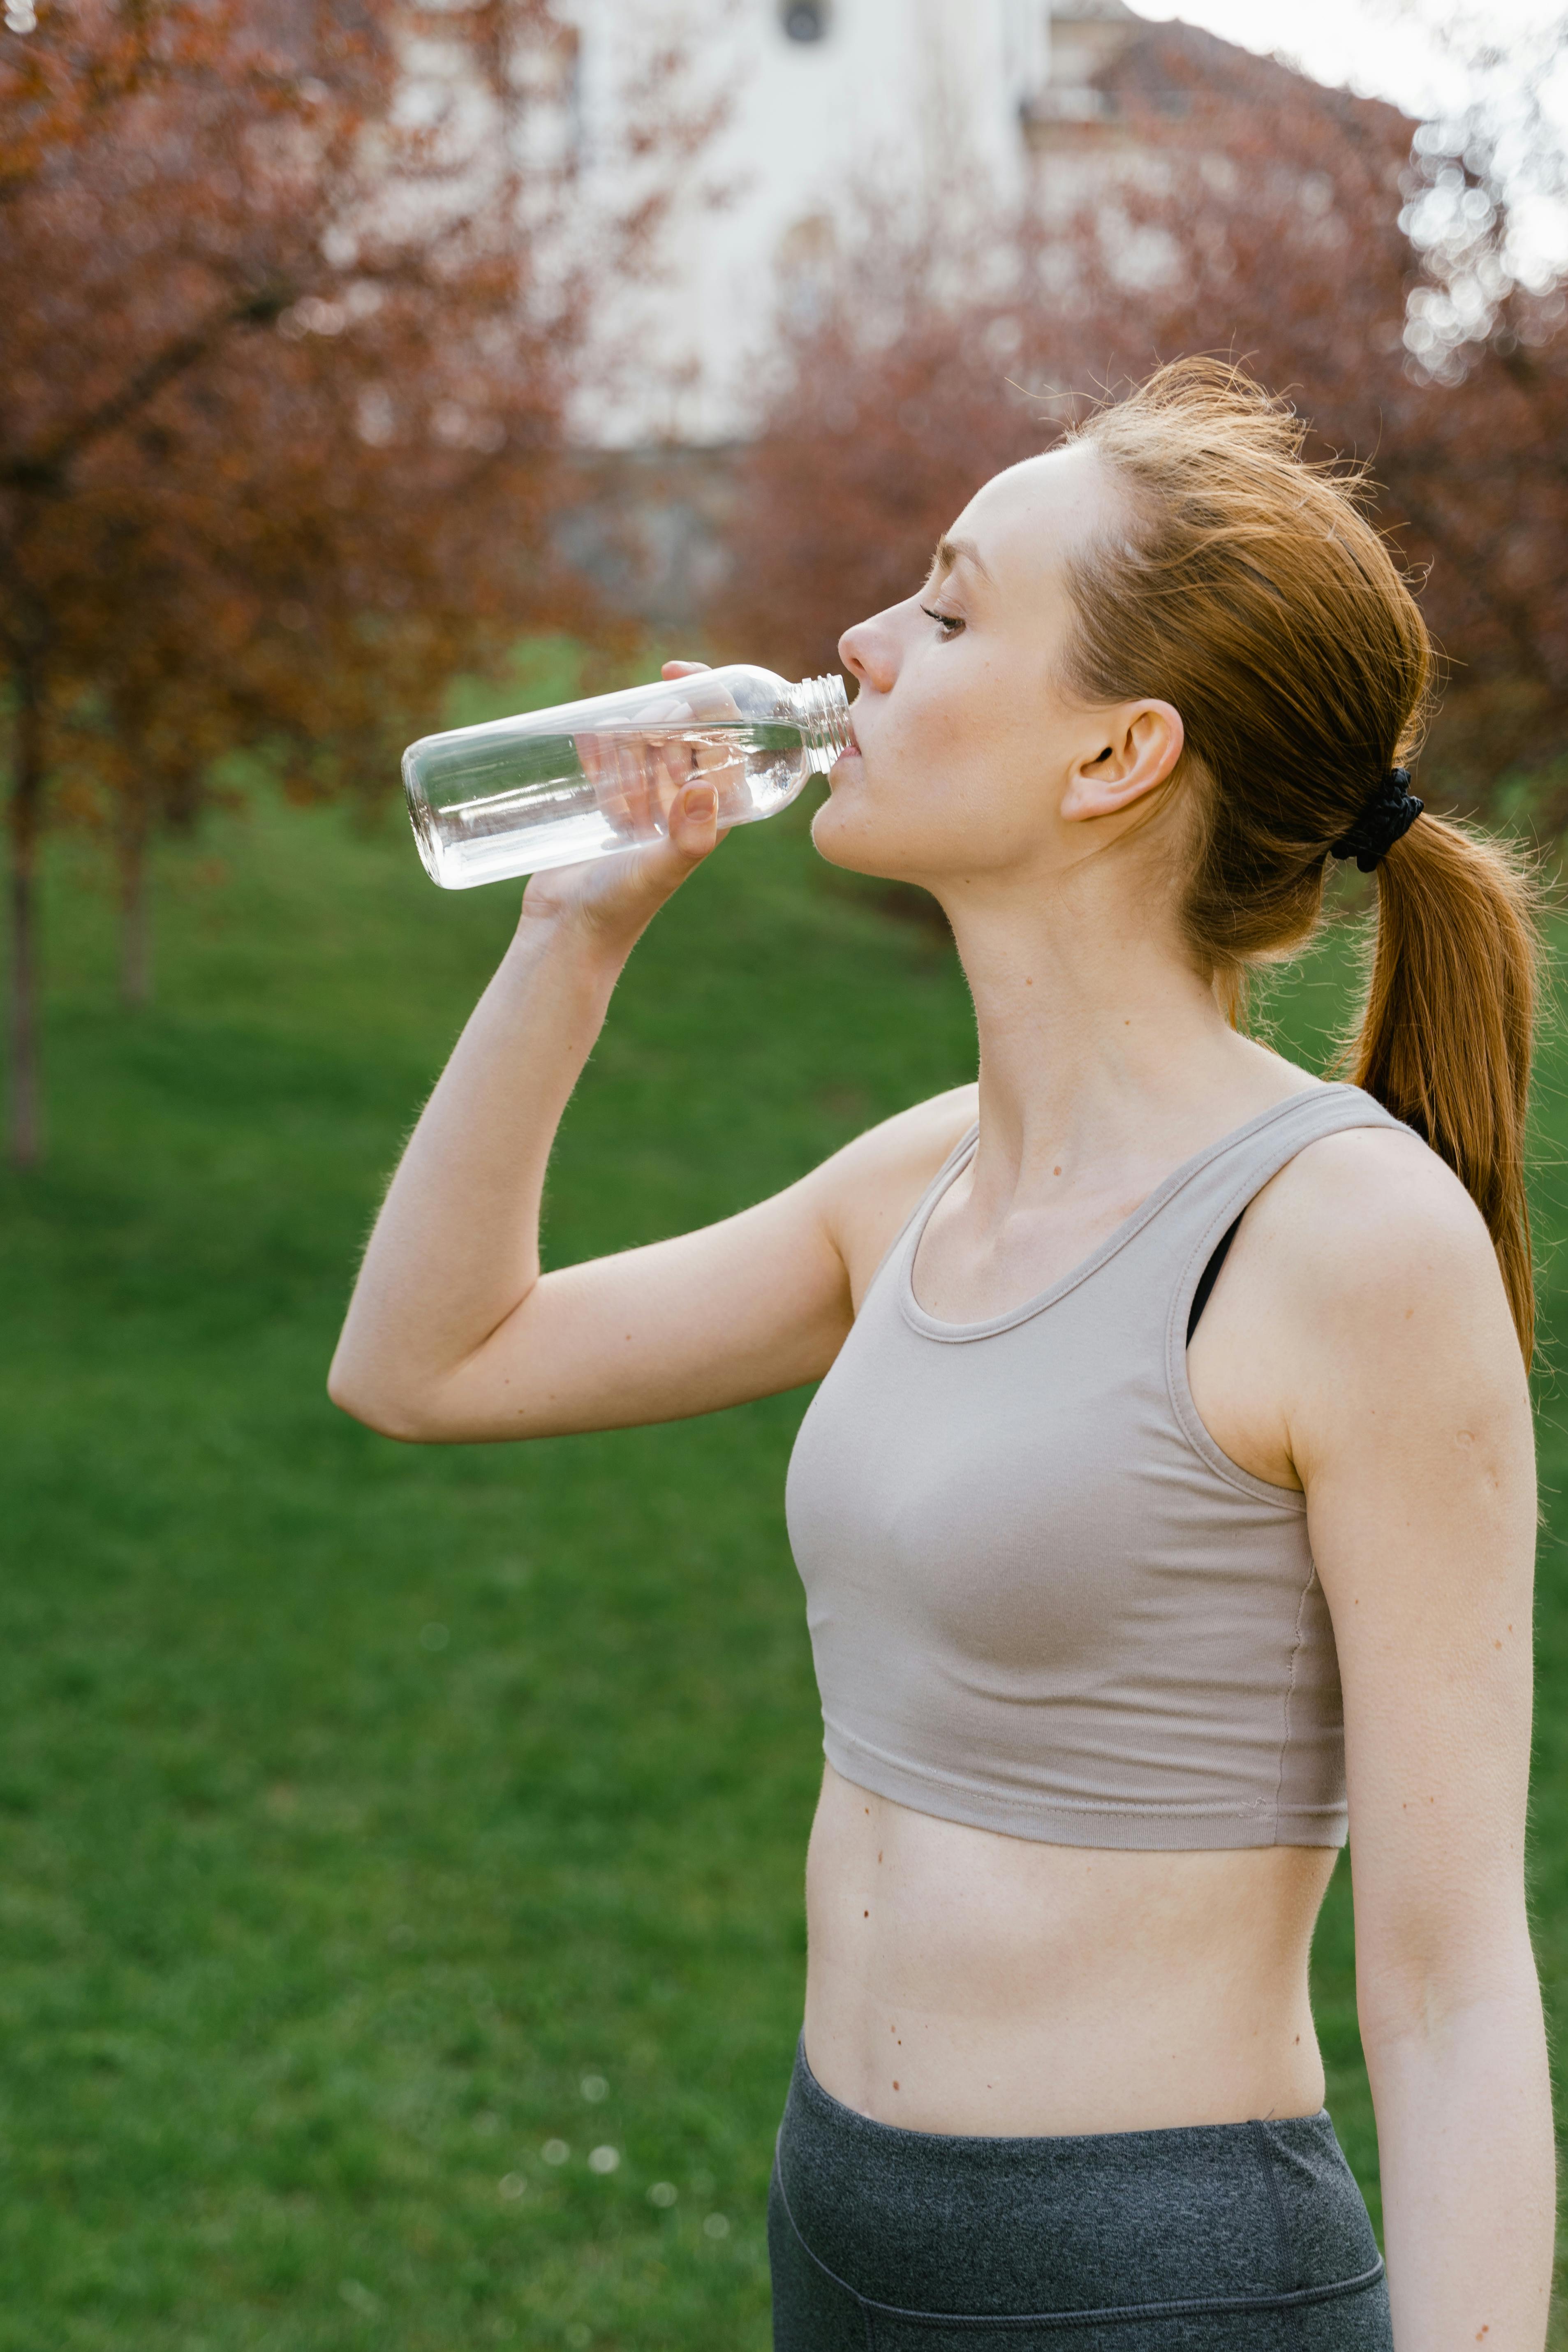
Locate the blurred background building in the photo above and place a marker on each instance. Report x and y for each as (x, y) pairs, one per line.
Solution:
(818, 96)
(923, 109)
(996, 103)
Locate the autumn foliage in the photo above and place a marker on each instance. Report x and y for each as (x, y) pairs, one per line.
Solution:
(1241, 211)
(291, 321)
(288, 331)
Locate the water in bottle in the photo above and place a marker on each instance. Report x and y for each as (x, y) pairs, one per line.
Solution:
(589, 778)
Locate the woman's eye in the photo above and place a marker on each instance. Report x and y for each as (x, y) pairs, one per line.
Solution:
(950, 623)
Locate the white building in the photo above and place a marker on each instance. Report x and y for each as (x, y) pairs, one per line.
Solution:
(819, 95)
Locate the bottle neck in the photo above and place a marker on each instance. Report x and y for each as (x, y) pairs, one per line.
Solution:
(822, 707)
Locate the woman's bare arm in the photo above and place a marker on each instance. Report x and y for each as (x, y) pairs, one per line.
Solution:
(1410, 1428)
(453, 1334)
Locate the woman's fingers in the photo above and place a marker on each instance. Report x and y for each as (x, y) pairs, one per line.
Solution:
(694, 819)
(681, 668)
(664, 790)
(616, 896)
(694, 824)
(636, 886)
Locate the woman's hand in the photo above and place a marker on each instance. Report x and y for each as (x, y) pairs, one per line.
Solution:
(666, 784)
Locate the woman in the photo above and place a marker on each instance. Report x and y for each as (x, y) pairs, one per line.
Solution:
(1097, 1516)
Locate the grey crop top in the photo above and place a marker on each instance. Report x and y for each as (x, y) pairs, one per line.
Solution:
(1041, 1599)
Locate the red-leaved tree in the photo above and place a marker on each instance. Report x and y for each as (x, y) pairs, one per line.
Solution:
(288, 328)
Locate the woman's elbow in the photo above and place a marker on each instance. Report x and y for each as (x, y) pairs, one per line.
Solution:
(365, 1399)
(1431, 1992)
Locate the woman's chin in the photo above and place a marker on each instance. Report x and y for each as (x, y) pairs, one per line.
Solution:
(836, 836)
(844, 838)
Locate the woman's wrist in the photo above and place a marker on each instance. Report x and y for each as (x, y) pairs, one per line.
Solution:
(571, 940)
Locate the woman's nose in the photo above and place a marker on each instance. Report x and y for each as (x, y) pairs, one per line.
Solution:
(866, 653)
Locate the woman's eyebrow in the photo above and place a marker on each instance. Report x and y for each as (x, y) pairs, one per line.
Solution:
(948, 552)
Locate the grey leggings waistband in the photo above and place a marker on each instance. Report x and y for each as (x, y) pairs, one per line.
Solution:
(1250, 2237)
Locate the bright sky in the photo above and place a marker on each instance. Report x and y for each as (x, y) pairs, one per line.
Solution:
(1415, 52)
(1377, 46)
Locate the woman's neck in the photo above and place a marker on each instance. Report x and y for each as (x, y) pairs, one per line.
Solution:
(1102, 1050)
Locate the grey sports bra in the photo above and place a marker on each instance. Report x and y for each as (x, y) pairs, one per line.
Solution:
(1041, 1599)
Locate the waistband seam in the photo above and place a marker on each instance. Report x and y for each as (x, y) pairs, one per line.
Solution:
(851, 2118)
(1190, 2308)
(1289, 2270)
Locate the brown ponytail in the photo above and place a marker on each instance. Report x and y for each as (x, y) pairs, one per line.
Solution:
(1245, 586)
(1446, 1027)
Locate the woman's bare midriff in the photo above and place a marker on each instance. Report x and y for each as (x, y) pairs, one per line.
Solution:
(965, 1981)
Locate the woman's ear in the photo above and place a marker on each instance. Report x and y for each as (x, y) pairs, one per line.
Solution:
(1140, 745)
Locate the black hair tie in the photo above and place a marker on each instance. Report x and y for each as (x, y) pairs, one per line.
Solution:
(1388, 815)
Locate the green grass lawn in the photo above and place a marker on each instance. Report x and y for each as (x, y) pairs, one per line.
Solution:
(378, 1824)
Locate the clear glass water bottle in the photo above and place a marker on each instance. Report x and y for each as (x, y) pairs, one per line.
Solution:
(586, 778)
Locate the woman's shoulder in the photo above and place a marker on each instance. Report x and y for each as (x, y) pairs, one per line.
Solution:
(1368, 1232)
(1362, 1306)
(871, 1188)
(1375, 1184)
(912, 1145)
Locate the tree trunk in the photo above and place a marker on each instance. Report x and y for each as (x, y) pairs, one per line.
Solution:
(135, 914)
(22, 1023)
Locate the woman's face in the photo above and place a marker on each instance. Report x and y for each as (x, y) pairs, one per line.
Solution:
(972, 761)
